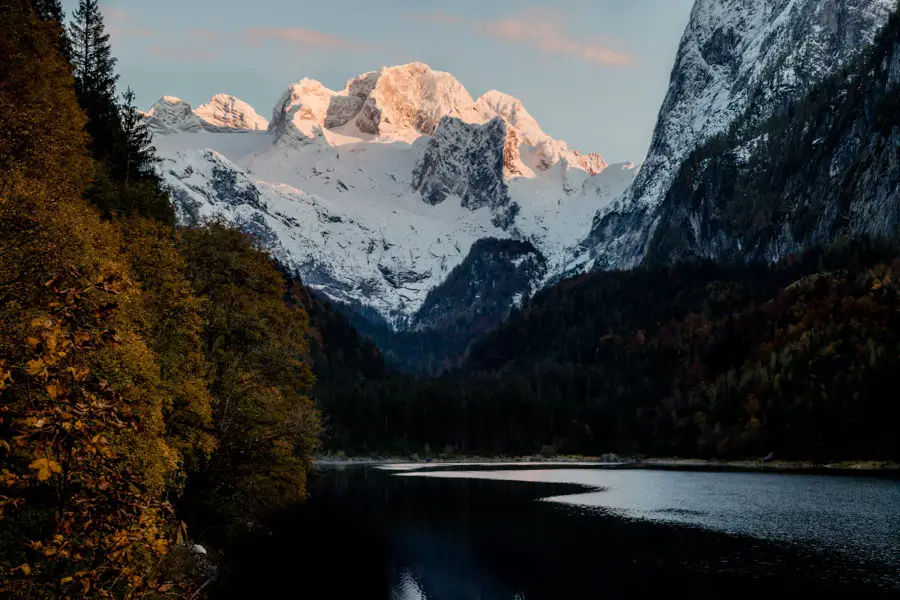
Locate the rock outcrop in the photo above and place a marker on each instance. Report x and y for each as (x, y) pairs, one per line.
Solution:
(225, 112)
(738, 62)
(375, 193)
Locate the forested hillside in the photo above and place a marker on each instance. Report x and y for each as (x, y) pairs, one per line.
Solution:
(154, 382)
(692, 360)
(707, 349)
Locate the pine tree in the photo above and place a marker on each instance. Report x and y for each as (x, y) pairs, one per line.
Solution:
(49, 10)
(91, 53)
(95, 78)
(139, 154)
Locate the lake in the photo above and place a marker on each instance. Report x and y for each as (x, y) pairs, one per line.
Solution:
(514, 533)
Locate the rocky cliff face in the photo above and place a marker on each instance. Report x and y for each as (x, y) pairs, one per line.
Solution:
(172, 115)
(466, 160)
(478, 293)
(374, 194)
(824, 168)
(738, 62)
(223, 113)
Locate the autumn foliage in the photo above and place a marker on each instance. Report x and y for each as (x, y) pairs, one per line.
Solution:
(127, 381)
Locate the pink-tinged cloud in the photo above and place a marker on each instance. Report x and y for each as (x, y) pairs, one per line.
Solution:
(307, 38)
(540, 29)
(173, 53)
(114, 14)
(121, 33)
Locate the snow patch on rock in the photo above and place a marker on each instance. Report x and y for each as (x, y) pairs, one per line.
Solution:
(374, 193)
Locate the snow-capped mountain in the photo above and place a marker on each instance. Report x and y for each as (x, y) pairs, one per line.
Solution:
(824, 169)
(375, 193)
(223, 113)
(227, 112)
(739, 61)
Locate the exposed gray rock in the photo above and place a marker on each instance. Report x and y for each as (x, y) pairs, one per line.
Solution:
(464, 160)
(171, 115)
(824, 169)
(739, 61)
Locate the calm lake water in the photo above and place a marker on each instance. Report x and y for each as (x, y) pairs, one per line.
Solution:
(504, 533)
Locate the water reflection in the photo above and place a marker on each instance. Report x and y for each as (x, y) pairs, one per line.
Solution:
(856, 515)
(551, 535)
(407, 588)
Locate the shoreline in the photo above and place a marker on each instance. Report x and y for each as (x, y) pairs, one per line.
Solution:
(862, 468)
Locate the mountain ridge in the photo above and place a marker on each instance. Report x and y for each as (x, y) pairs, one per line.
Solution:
(737, 61)
(373, 194)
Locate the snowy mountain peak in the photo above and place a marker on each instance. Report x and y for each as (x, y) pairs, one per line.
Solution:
(400, 103)
(738, 62)
(393, 104)
(530, 149)
(494, 103)
(410, 100)
(227, 112)
(170, 115)
(376, 192)
(300, 113)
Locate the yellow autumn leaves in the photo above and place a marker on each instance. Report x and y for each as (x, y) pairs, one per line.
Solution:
(45, 468)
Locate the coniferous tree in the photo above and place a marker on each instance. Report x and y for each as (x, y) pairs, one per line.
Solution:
(51, 10)
(95, 78)
(125, 181)
(91, 53)
(139, 154)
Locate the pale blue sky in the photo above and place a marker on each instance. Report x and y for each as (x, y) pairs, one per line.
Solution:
(592, 72)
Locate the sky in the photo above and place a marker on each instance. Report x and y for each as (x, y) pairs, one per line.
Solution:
(592, 72)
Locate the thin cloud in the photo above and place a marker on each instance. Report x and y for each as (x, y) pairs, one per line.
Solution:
(122, 34)
(306, 38)
(173, 53)
(540, 29)
(114, 14)
(120, 25)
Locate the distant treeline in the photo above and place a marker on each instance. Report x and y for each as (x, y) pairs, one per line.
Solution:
(692, 360)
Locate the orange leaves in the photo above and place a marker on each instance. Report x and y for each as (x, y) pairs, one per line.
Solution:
(882, 277)
(79, 374)
(36, 368)
(80, 338)
(6, 378)
(55, 390)
(8, 478)
(45, 468)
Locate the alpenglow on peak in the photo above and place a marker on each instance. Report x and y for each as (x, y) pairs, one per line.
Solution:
(374, 193)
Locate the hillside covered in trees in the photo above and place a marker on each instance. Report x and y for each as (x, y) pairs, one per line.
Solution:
(154, 383)
(707, 349)
(705, 361)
